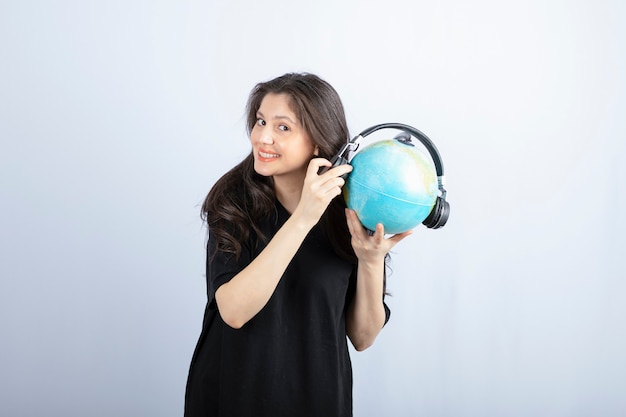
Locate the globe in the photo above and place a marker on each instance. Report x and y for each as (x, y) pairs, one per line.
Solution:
(393, 183)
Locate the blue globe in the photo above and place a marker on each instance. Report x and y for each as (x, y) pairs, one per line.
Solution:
(392, 183)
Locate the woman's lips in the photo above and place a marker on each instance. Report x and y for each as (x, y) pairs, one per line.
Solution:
(266, 155)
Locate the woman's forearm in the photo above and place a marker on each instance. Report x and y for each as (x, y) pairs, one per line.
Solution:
(366, 314)
(246, 293)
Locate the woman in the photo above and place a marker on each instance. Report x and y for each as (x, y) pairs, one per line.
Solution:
(290, 271)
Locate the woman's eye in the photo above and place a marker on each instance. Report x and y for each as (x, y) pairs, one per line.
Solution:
(283, 128)
(260, 122)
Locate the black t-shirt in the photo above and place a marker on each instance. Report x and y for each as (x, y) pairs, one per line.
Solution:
(291, 359)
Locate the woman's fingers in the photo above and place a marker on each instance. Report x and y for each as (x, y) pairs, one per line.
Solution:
(329, 183)
(319, 190)
(317, 163)
(374, 245)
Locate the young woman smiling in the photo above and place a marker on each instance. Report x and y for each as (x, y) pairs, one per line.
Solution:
(291, 273)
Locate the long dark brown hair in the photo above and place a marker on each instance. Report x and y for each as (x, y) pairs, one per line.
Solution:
(241, 198)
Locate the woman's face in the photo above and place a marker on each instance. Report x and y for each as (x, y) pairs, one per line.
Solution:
(280, 145)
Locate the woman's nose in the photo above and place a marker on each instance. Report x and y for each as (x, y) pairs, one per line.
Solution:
(266, 138)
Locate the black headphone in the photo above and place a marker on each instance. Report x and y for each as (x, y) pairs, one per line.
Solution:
(441, 210)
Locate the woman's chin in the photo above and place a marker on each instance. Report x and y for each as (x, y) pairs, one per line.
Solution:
(261, 170)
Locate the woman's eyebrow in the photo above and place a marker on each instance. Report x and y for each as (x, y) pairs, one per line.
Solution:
(280, 117)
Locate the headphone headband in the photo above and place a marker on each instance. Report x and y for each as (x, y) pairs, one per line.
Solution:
(430, 146)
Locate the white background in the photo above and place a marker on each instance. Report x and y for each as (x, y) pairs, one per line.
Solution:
(116, 118)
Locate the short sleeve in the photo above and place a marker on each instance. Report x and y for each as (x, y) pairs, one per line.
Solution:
(221, 267)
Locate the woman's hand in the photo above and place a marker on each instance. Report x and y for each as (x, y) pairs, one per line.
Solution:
(319, 190)
(371, 248)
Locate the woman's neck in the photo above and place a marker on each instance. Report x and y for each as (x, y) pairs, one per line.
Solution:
(288, 191)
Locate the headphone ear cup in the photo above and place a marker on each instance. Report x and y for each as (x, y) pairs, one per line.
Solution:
(438, 215)
(443, 215)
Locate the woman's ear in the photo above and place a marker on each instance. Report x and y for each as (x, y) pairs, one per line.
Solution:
(316, 152)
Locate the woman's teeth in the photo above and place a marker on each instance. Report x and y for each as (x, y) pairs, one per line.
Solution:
(268, 155)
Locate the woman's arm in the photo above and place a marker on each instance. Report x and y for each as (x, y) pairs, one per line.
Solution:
(246, 293)
(366, 314)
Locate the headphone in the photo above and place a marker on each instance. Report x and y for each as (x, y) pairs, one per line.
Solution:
(441, 209)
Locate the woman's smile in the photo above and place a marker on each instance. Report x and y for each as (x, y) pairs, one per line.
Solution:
(267, 156)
